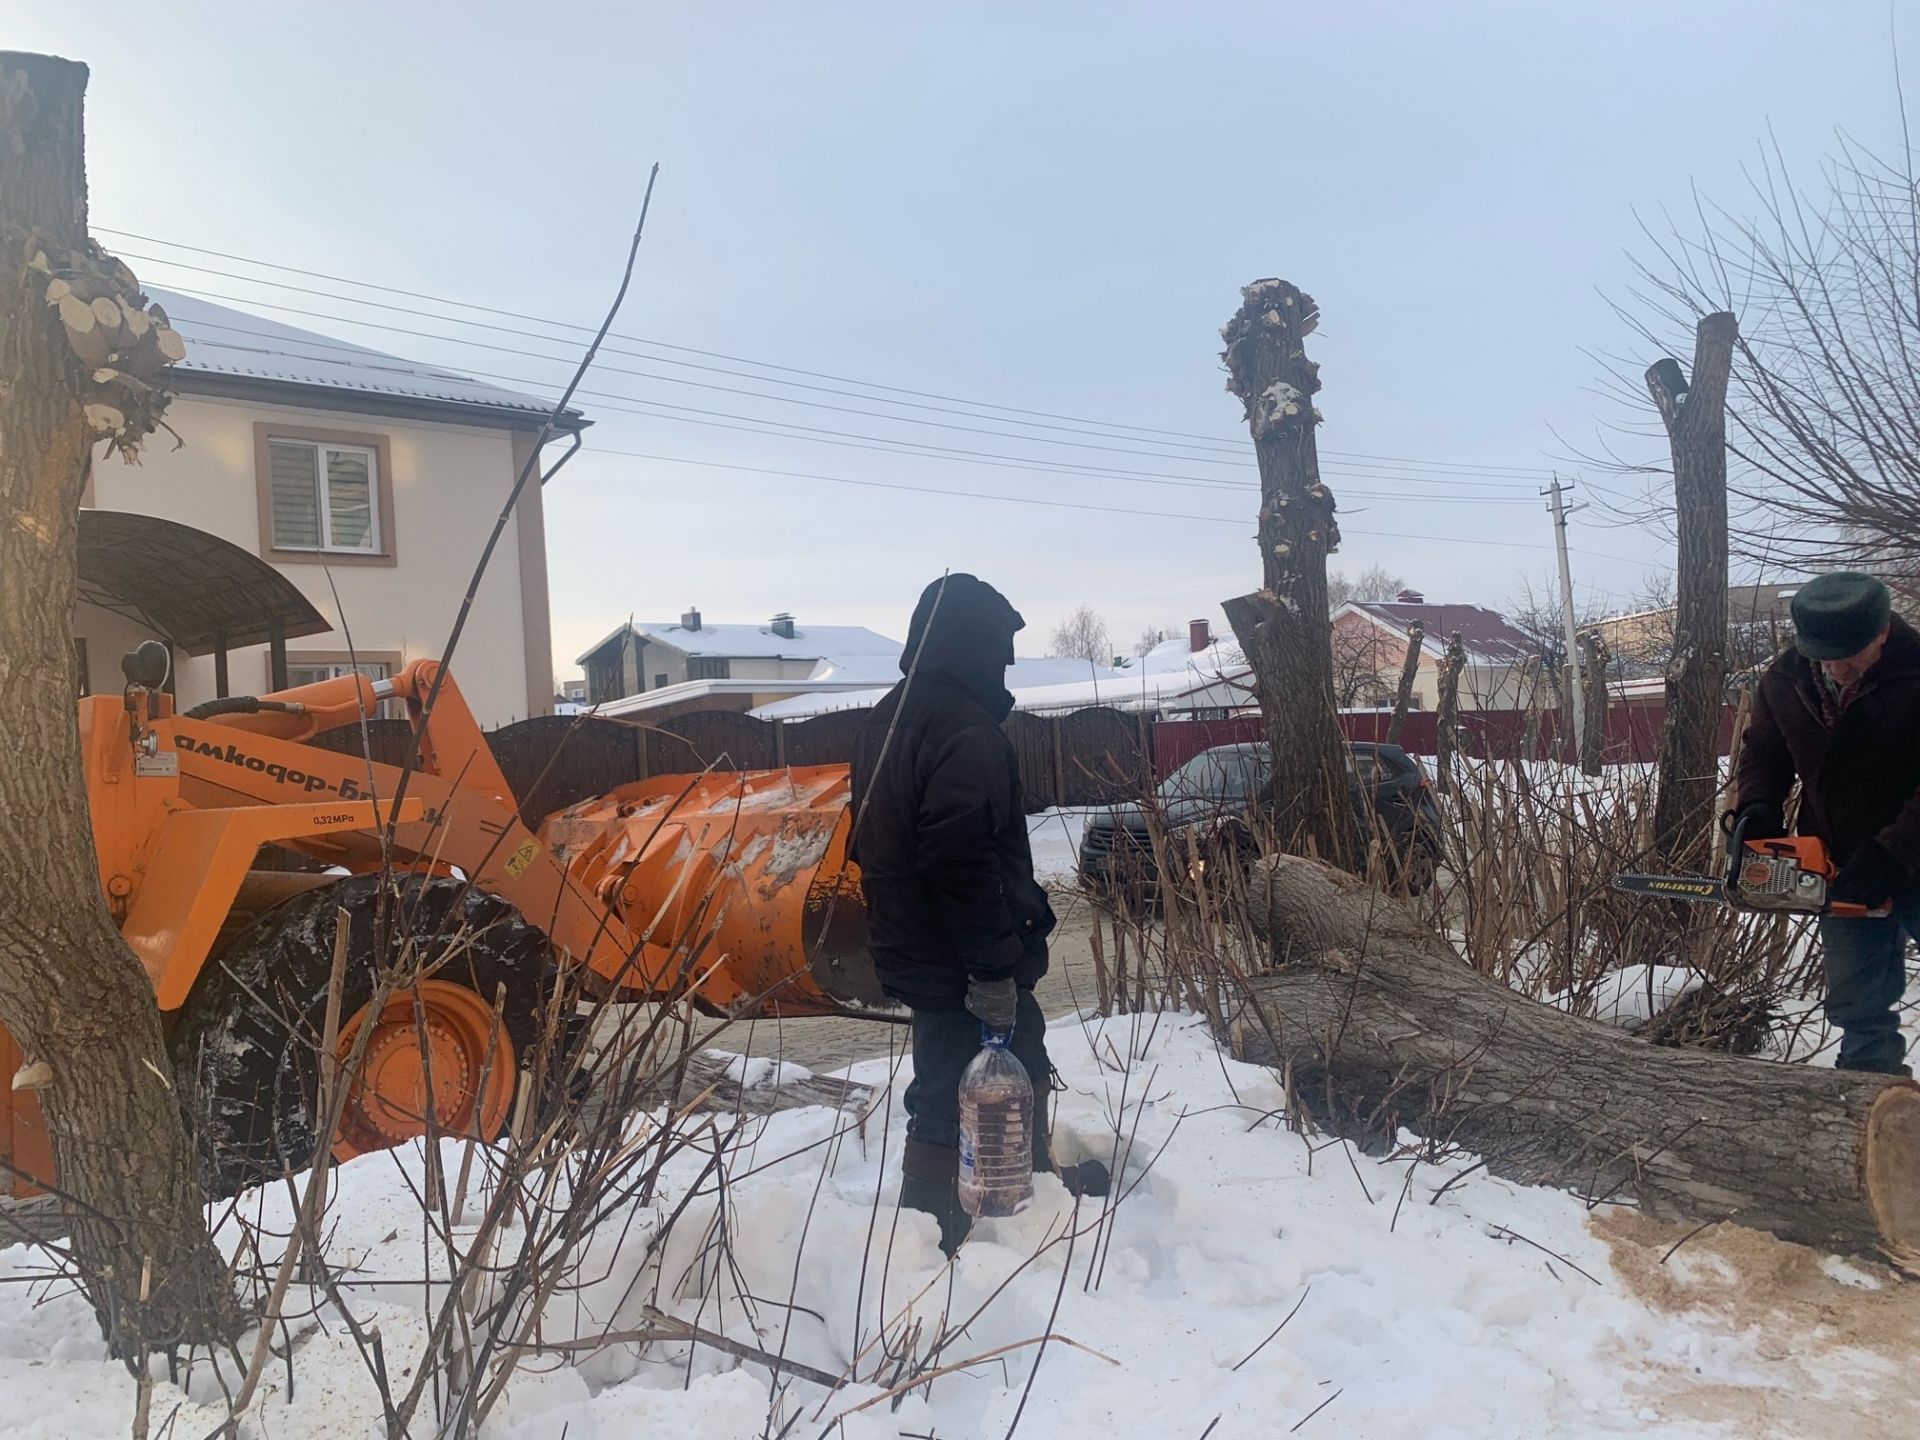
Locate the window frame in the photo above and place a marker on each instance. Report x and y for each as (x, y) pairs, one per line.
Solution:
(343, 661)
(380, 464)
(710, 667)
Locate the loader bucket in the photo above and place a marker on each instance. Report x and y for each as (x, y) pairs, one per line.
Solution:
(744, 877)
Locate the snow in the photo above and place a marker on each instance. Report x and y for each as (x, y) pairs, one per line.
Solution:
(758, 1072)
(1634, 994)
(1025, 677)
(1489, 1310)
(1055, 838)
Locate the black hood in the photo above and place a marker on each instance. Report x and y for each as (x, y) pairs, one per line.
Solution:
(962, 630)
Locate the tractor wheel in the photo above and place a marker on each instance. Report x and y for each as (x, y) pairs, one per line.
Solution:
(246, 1043)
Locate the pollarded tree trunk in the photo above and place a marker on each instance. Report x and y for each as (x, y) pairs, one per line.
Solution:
(1446, 709)
(73, 996)
(1409, 669)
(1593, 734)
(1284, 628)
(1378, 1024)
(1695, 417)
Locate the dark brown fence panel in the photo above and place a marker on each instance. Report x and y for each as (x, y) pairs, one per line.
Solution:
(711, 739)
(387, 741)
(1103, 755)
(553, 761)
(1034, 742)
(823, 740)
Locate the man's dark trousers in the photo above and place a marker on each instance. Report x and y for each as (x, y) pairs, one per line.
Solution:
(944, 1044)
(1866, 962)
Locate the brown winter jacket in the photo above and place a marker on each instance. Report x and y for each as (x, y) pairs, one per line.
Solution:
(1859, 781)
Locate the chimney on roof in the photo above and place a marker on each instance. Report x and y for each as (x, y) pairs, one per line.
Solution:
(783, 625)
(690, 620)
(1199, 635)
(1411, 597)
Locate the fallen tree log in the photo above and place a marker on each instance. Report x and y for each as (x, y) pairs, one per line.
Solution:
(1376, 1024)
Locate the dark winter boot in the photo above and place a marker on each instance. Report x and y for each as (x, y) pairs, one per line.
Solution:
(1089, 1178)
(930, 1181)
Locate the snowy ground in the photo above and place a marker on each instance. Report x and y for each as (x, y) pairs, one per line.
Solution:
(1055, 837)
(1489, 1311)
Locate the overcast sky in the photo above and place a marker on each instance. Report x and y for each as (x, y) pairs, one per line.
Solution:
(1043, 207)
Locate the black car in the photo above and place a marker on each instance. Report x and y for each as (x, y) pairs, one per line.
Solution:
(1215, 800)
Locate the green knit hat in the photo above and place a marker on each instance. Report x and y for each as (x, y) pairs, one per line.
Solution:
(1839, 615)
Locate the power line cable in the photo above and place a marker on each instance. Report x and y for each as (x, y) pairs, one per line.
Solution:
(891, 445)
(1240, 463)
(1062, 504)
(1208, 441)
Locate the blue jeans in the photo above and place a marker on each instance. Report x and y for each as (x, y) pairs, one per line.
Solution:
(1866, 967)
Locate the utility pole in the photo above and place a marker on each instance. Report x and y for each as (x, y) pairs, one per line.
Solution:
(1576, 692)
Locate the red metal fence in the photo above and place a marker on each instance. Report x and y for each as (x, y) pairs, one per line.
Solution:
(1633, 734)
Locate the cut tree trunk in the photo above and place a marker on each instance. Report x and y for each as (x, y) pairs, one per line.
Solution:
(1593, 733)
(73, 996)
(1409, 669)
(1695, 416)
(1377, 1024)
(1446, 709)
(1284, 628)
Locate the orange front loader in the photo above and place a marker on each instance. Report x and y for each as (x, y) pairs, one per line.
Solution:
(733, 889)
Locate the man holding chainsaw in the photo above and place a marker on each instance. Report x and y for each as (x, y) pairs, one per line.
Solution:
(1840, 712)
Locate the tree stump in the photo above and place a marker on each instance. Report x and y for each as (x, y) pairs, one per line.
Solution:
(1377, 1024)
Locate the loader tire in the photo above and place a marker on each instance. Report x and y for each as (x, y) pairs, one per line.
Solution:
(245, 1046)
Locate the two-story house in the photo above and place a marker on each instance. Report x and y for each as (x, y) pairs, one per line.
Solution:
(368, 481)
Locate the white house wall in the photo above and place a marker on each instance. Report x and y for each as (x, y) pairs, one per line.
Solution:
(448, 484)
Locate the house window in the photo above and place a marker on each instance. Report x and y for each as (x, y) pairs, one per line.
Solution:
(323, 497)
(707, 667)
(326, 496)
(312, 671)
(660, 680)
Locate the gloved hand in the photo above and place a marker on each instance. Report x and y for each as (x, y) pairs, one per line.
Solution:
(1869, 878)
(1764, 820)
(993, 1002)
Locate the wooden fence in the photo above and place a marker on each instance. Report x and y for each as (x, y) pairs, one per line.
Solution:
(1090, 757)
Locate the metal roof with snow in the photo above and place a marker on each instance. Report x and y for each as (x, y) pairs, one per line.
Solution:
(239, 354)
(844, 645)
(1488, 635)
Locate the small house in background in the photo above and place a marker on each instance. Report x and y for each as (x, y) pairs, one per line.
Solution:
(1370, 647)
(1759, 625)
(661, 667)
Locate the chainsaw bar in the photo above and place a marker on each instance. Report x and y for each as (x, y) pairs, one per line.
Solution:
(1696, 889)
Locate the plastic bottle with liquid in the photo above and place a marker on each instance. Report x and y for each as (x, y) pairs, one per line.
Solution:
(996, 1131)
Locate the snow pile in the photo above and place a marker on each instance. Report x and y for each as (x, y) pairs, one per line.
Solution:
(1477, 1309)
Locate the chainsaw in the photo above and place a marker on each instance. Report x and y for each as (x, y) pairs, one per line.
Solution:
(1787, 874)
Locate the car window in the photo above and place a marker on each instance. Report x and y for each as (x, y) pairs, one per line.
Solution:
(1218, 775)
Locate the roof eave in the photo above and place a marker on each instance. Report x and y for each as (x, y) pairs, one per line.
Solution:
(215, 384)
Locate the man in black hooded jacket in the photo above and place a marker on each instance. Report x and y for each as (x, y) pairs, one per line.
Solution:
(957, 924)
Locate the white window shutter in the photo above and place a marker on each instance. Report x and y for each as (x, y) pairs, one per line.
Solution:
(294, 486)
